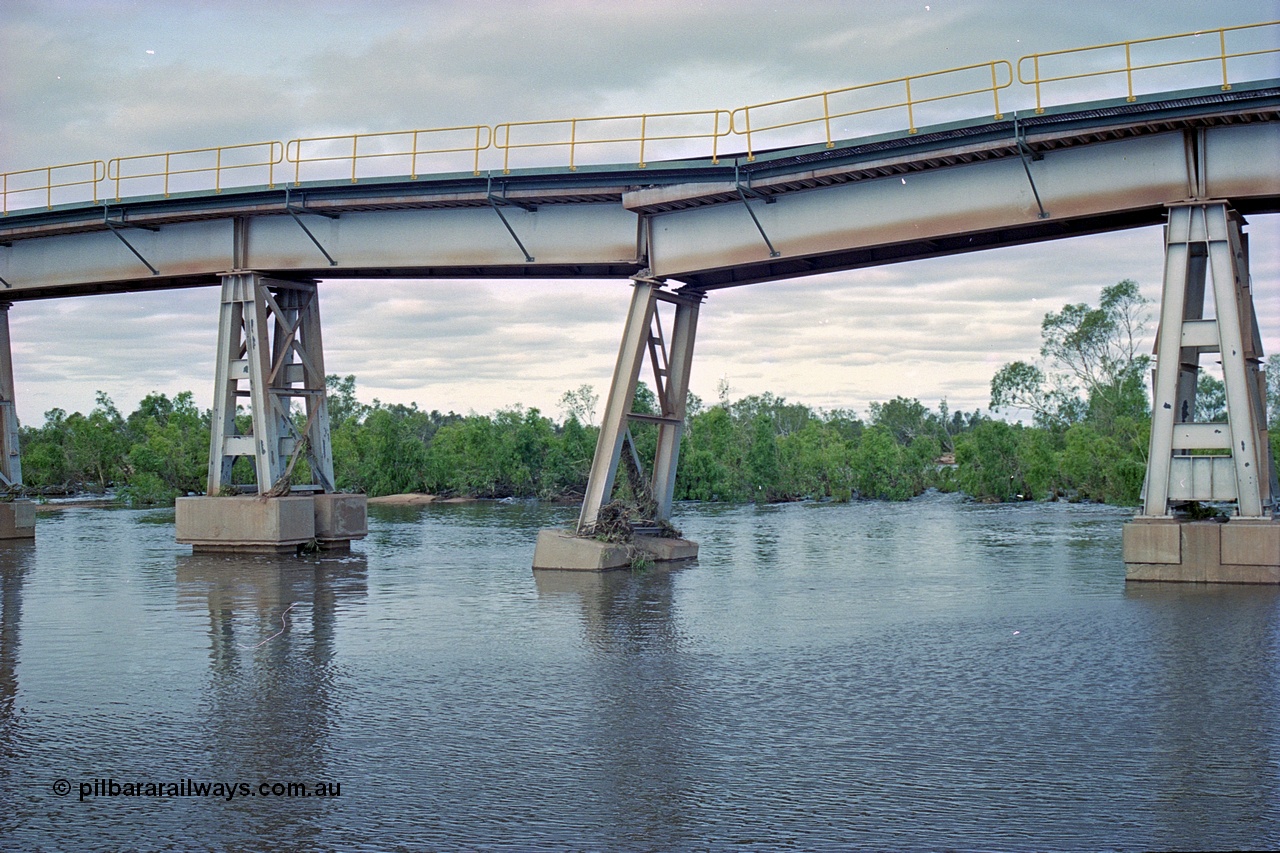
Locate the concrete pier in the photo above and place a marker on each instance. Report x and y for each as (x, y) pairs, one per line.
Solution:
(562, 550)
(253, 524)
(17, 519)
(1241, 550)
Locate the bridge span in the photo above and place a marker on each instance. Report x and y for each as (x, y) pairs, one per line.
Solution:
(1197, 160)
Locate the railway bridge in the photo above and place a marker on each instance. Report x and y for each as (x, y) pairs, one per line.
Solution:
(706, 200)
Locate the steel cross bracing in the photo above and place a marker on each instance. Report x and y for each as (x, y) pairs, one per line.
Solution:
(1206, 254)
(269, 337)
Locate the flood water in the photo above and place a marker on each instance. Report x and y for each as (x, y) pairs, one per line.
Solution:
(936, 674)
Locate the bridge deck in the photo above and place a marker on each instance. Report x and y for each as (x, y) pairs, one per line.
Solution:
(788, 212)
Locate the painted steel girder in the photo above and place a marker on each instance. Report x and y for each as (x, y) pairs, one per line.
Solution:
(929, 212)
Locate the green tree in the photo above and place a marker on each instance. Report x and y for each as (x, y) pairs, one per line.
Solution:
(96, 444)
(168, 454)
(762, 460)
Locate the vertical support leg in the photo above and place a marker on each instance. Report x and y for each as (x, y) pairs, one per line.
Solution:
(222, 454)
(10, 458)
(262, 403)
(674, 402)
(1242, 410)
(622, 392)
(319, 441)
(1168, 359)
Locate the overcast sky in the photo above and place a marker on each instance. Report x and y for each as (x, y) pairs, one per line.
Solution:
(81, 79)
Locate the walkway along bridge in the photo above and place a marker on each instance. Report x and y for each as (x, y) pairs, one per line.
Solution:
(1197, 160)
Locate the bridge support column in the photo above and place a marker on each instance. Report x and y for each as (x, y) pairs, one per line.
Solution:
(269, 338)
(17, 514)
(607, 536)
(1190, 462)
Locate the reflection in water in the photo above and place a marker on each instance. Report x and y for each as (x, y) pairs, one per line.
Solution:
(269, 710)
(644, 724)
(934, 675)
(1216, 663)
(15, 559)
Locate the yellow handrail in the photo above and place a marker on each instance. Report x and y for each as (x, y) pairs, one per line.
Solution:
(1127, 67)
(572, 126)
(274, 154)
(636, 129)
(294, 148)
(741, 117)
(99, 171)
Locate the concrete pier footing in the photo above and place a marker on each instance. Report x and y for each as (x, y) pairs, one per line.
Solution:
(561, 549)
(1168, 549)
(17, 519)
(255, 524)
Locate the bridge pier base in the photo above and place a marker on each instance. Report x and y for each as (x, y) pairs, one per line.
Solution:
(1238, 551)
(18, 519)
(269, 337)
(1190, 462)
(640, 533)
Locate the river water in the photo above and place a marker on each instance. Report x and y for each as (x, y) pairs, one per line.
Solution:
(935, 674)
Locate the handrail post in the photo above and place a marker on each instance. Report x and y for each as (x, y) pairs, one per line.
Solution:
(715, 140)
(166, 173)
(1222, 43)
(48, 188)
(1036, 63)
(644, 126)
(217, 171)
(573, 144)
(355, 141)
(911, 113)
(475, 169)
(413, 163)
(746, 114)
(995, 90)
(826, 119)
(1128, 70)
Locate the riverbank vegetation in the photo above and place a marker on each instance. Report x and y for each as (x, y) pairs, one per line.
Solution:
(1087, 401)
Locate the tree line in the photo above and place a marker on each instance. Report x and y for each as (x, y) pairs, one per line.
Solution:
(1086, 398)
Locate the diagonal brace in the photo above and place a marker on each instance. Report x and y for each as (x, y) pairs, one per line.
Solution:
(303, 209)
(497, 203)
(742, 194)
(1028, 156)
(115, 227)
